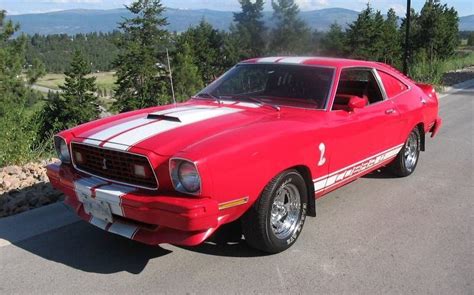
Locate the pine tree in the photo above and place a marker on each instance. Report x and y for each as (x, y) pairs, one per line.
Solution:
(79, 90)
(391, 51)
(76, 104)
(470, 39)
(35, 71)
(414, 43)
(207, 46)
(142, 78)
(334, 43)
(365, 35)
(12, 59)
(250, 29)
(186, 74)
(291, 34)
(438, 34)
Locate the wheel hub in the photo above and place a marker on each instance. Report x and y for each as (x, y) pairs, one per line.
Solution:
(411, 152)
(285, 211)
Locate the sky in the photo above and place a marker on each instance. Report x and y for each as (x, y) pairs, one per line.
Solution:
(464, 7)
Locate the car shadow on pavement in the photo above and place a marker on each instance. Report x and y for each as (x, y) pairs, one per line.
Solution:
(380, 174)
(84, 247)
(227, 241)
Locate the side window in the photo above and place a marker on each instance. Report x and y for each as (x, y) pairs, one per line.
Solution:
(356, 82)
(392, 85)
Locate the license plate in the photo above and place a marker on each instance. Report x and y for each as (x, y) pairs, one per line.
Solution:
(99, 209)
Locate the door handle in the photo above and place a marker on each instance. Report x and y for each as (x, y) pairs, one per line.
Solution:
(389, 111)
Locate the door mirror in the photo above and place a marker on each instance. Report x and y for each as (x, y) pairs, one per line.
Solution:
(356, 102)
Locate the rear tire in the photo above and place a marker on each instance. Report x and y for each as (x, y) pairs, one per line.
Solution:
(276, 219)
(407, 159)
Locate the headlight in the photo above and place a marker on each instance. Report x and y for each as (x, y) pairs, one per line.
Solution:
(185, 176)
(62, 149)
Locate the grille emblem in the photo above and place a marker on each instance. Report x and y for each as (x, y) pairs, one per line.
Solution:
(104, 164)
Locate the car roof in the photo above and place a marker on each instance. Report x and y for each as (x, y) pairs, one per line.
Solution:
(313, 60)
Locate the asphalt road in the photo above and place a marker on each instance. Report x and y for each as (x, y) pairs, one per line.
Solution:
(377, 235)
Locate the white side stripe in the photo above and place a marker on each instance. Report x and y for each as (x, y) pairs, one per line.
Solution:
(353, 170)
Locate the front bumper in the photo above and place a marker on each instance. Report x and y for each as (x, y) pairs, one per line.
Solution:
(138, 215)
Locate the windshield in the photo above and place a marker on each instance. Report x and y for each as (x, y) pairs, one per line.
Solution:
(276, 84)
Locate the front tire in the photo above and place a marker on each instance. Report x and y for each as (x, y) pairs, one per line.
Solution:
(276, 219)
(407, 159)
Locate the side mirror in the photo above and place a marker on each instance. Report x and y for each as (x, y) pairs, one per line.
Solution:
(356, 102)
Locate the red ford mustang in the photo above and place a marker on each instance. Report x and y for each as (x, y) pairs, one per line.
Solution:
(259, 144)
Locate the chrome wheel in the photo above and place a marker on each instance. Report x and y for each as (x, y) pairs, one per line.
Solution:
(285, 211)
(411, 151)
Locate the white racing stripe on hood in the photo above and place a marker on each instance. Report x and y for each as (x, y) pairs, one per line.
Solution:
(100, 136)
(97, 138)
(132, 137)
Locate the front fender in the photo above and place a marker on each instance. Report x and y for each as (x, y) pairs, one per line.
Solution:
(240, 164)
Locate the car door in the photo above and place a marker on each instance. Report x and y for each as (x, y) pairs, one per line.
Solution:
(362, 138)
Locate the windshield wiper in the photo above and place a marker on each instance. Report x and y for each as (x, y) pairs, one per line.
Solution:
(257, 100)
(209, 95)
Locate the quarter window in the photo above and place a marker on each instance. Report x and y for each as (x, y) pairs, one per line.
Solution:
(392, 85)
(356, 82)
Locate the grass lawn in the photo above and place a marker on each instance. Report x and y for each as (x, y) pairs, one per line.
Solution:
(105, 80)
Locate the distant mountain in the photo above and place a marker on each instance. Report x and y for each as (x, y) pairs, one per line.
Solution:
(85, 21)
(466, 23)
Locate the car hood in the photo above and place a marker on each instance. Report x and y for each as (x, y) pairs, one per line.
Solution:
(171, 129)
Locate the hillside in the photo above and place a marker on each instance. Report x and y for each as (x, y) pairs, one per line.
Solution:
(466, 23)
(85, 21)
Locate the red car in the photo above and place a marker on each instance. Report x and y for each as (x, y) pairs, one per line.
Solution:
(258, 145)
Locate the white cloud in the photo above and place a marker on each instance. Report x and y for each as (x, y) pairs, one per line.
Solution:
(399, 8)
(311, 4)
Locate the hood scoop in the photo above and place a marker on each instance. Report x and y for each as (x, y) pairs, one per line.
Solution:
(163, 117)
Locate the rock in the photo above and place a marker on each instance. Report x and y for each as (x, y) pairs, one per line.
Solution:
(22, 176)
(29, 181)
(12, 170)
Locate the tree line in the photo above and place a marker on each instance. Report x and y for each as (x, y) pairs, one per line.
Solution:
(138, 52)
(56, 51)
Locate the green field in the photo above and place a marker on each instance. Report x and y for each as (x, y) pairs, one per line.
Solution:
(105, 80)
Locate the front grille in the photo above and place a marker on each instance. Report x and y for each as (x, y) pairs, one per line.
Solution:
(118, 166)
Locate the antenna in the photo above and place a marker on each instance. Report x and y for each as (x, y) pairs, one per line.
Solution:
(171, 76)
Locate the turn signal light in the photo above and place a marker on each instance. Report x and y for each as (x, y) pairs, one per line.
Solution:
(141, 171)
(79, 158)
